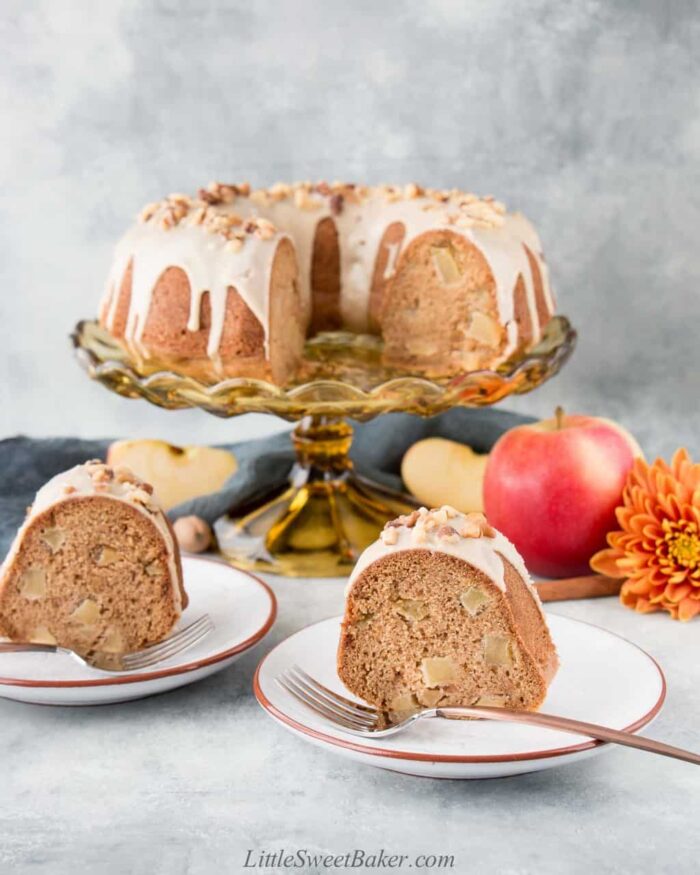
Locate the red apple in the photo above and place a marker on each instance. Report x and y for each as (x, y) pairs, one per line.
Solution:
(552, 488)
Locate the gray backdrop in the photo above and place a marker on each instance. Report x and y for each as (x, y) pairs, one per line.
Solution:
(586, 115)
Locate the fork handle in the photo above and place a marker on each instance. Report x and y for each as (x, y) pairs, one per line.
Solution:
(26, 647)
(566, 724)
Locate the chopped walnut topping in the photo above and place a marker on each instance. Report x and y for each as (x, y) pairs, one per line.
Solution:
(440, 515)
(124, 475)
(103, 475)
(265, 229)
(389, 536)
(391, 193)
(183, 199)
(485, 529)
(470, 529)
(208, 209)
(221, 193)
(408, 520)
(412, 191)
(442, 525)
(448, 533)
(140, 496)
(207, 196)
(198, 216)
(419, 534)
(279, 191)
(304, 201)
(148, 212)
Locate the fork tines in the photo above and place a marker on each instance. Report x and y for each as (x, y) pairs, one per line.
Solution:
(173, 645)
(329, 704)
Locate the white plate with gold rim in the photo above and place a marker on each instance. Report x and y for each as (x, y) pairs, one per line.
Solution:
(242, 607)
(602, 679)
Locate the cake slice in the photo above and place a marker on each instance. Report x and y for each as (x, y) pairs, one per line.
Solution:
(94, 566)
(441, 611)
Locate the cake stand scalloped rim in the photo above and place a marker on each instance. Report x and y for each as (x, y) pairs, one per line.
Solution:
(326, 396)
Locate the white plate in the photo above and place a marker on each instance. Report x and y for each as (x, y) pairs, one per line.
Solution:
(242, 607)
(603, 679)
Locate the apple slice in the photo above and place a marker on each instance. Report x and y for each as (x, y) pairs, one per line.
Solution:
(438, 471)
(177, 474)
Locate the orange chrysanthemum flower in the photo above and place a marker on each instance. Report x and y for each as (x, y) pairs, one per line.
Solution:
(658, 547)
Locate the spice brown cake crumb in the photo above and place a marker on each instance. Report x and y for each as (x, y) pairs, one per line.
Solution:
(436, 616)
(95, 566)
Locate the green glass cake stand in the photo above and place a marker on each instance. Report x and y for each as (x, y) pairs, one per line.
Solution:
(319, 524)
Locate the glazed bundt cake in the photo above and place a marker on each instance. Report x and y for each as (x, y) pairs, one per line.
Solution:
(232, 281)
(94, 567)
(441, 611)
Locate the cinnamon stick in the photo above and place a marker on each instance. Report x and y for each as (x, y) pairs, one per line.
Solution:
(590, 586)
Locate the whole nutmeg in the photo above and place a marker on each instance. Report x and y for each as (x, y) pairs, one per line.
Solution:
(193, 534)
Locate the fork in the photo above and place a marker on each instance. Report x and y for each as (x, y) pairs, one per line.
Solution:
(366, 721)
(172, 646)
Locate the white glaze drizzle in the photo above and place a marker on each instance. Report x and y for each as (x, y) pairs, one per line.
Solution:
(211, 266)
(483, 553)
(77, 482)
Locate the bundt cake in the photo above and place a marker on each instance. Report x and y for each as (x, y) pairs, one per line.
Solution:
(441, 611)
(94, 567)
(231, 282)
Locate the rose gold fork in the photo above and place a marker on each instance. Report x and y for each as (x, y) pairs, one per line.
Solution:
(358, 719)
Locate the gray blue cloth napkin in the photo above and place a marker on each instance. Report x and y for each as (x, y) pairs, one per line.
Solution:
(377, 449)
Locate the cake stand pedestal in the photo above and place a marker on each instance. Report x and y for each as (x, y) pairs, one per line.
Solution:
(319, 524)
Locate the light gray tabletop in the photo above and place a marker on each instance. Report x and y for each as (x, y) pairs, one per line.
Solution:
(190, 781)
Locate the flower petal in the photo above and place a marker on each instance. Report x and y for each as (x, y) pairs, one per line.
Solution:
(677, 592)
(605, 562)
(688, 609)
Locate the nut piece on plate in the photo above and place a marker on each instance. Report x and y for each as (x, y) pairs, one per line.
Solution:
(193, 534)
(497, 650)
(176, 473)
(438, 472)
(438, 671)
